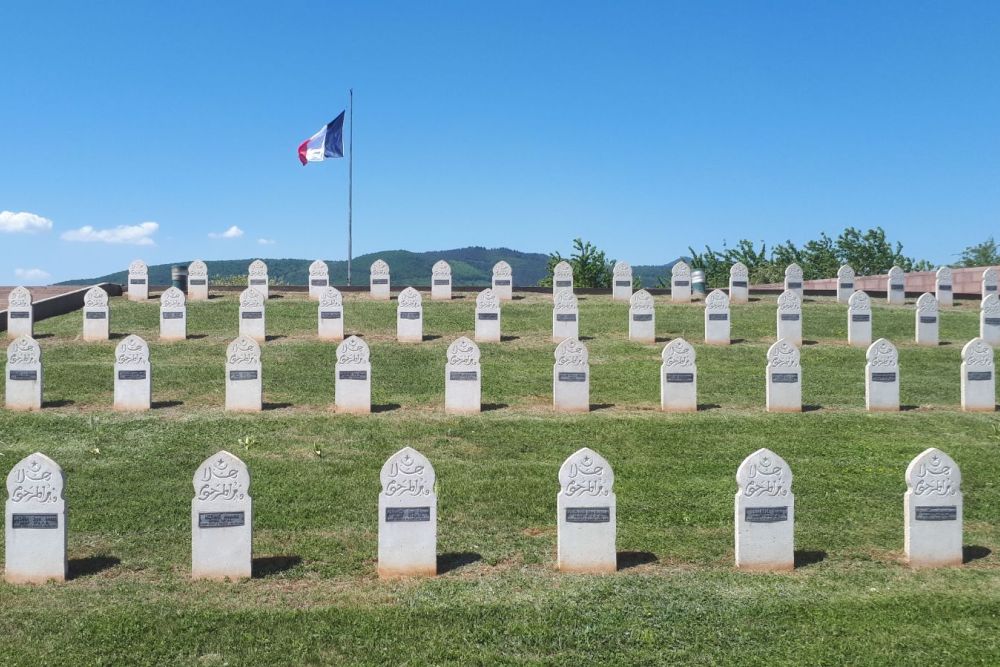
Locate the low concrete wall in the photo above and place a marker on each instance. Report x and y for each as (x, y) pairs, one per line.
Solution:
(966, 283)
(62, 303)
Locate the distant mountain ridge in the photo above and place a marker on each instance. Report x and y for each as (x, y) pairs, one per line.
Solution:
(472, 266)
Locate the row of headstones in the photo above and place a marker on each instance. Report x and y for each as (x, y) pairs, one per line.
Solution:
(463, 376)
(586, 516)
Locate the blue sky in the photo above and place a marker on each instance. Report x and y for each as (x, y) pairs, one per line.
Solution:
(150, 129)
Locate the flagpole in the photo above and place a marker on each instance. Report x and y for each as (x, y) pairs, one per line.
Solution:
(350, 184)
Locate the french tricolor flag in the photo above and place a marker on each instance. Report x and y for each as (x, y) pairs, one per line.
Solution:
(328, 142)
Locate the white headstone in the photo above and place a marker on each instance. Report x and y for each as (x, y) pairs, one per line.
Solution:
(717, 322)
(565, 316)
(488, 317)
(462, 378)
(20, 313)
(859, 320)
(989, 285)
(319, 278)
(221, 519)
(503, 280)
(173, 315)
(680, 282)
(978, 377)
(989, 319)
(409, 316)
(197, 281)
(257, 278)
(407, 516)
(926, 316)
(789, 316)
(331, 314)
(932, 533)
(96, 315)
(133, 375)
(765, 513)
(353, 377)
(739, 283)
(621, 286)
(793, 279)
(678, 377)
(641, 317)
(586, 514)
(562, 278)
(571, 377)
(441, 281)
(845, 283)
(784, 378)
(252, 320)
(138, 281)
(24, 374)
(896, 287)
(943, 287)
(35, 522)
(882, 377)
(244, 391)
(378, 281)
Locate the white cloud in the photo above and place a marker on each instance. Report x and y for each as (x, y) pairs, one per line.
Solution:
(129, 234)
(24, 222)
(32, 275)
(266, 241)
(233, 232)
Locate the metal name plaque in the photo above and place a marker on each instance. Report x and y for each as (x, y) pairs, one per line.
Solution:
(928, 319)
(409, 315)
(795, 285)
(19, 314)
(488, 316)
(96, 315)
(137, 281)
(197, 281)
(221, 519)
(784, 378)
(642, 317)
(35, 521)
(739, 283)
(944, 288)
(991, 321)
(766, 514)
(572, 377)
(861, 317)
(718, 317)
(883, 377)
(24, 375)
(564, 283)
(131, 375)
(442, 281)
(588, 515)
(681, 283)
(681, 378)
(173, 314)
(896, 287)
(937, 513)
(789, 317)
(980, 375)
(252, 315)
(393, 514)
(623, 283)
(352, 375)
(502, 281)
(258, 281)
(329, 314)
(991, 288)
(242, 375)
(565, 317)
(319, 282)
(380, 281)
(846, 285)
(463, 375)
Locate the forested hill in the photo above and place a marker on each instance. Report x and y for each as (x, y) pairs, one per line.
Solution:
(469, 266)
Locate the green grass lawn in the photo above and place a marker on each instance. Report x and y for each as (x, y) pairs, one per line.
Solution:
(315, 598)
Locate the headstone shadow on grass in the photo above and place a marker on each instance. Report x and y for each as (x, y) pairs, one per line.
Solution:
(85, 567)
(267, 566)
(447, 562)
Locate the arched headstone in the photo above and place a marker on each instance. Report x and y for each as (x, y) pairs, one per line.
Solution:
(943, 287)
(845, 283)
(882, 377)
(462, 378)
(793, 279)
(331, 314)
(197, 287)
(20, 313)
(642, 317)
(680, 282)
(586, 514)
(378, 281)
(96, 315)
(35, 522)
(989, 319)
(562, 278)
(789, 317)
(932, 534)
(978, 377)
(133, 375)
(487, 317)
(407, 516)
(565, 316)
(717, 324)
(410, 316)
(859, 320)
(896, 286)
(24, 374)
(441, 281)
(252, 316)
(621, 286)
(319, 279)
(989, 284)
(173, 315)
(503, 280)
(221, 519)
(353, 377)
(257, 278)
(739, 283)
(765, 513)
(784, 378)
(571, 377)
(678, 377)
(927, 320)
(138, 281)
(244, 391)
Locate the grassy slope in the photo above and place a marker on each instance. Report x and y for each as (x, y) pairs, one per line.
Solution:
(678, 599)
